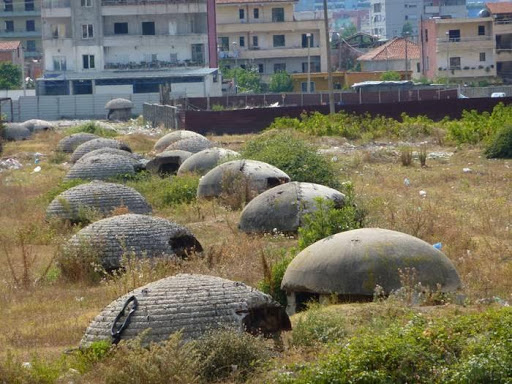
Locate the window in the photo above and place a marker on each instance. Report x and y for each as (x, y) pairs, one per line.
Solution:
(304, 86)
(29, 5)
(173, 58)
(9, 26)
(377, 7)
(30, 25)
(279, 41)
(86, 3)
(198, 53)
(256, 13)
(8, 6)
(418, 67)
(305, 42)
(279, 67)
(261, 68)
(58, 30)
(426, 35)
(481, 30)
(482, 56)
(87, 31)
(59, 63)
(242, 41)
(88, 61)
(120, 28)
(224, 44)
(454, 62)
(148, 28)
(277, 14)
(255, 41)
(241, 14)
(454, 34)
(31, 46)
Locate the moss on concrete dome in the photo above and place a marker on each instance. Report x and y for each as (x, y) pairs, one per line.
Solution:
(172, 137)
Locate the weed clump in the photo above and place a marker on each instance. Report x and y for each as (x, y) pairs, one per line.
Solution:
(273, 276)
(80, 264)
(92, 127)
(500, 146)
(316, 326)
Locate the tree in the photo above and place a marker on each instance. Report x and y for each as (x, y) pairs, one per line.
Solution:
(247, 80)
(10, 76)
(407, 29)
(390, 76)
(349, 30)
(281, 82)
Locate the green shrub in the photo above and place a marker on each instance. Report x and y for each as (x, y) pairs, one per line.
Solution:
(318, 326)
(291, 153)
(92, 127)
(230, 354)
(273, 276)
(500, 146)
(327, 220)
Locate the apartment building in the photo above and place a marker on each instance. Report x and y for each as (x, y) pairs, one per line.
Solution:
(388, 17)
(265, 35)
(106, 46)
(501, 14)
(20, 20)
(458, 49)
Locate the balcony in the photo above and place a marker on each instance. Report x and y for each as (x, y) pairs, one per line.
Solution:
(56, 8)
(255, 53)
(20, 34)
(468, 72)
(151, 7)
(32, 55)
(153, 65)
(268, 27)
(503, 54)
(131, 41)
(472, 42)
(20, 13)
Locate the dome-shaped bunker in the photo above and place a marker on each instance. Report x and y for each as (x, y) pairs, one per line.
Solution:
(138, 161)
(102, 167)
(351, 264)
(282, 208)
(172, 137)
(119, 109)
(15, 132)
(205, 160)
(138, 235)
(36, 125)
(97, 196)
(167, 162)
(250, 177)
(191, 144)
(69, 143)
(91, 145)
(192, 304)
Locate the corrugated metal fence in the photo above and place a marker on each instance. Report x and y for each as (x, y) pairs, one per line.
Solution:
(167, 116)
(70, 107)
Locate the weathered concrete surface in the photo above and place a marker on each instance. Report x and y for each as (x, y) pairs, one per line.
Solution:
(193, 304)
(172, 137)
(99, 196)
(191, 144)
(119, 109)
(138, 235)
(101, 167)
(282, 208)
(205, 160)
(36, 125)
(139, 162)
(15, 132)
(168, 162)
(257, 177)
(69, 143)
(91, 145)
(354, 262)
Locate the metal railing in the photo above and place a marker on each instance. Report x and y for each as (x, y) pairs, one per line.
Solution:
(50, 4)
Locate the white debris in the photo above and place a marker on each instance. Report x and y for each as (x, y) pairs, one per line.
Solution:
(9, 163)
(423, 193)
(466, 170)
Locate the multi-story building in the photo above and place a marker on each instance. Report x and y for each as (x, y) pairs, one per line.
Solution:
(458, 49)
(388, 17)
(21, 20)
(501, 14)
(264, 34)
(100, 46)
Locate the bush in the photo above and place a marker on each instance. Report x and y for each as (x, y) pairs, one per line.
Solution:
(80, 264)
(281, 82)
(318, 326)
(273, 276)
(500, 146)
(327, 220)
(291, 153)
(94, 128)
(230, 354)
(390, 76)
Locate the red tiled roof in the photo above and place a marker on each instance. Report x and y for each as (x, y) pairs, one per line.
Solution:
(252, 1)
(496, 8)
(9, 45)
(393, 50)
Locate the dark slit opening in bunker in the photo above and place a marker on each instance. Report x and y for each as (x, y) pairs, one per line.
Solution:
(184, 246)
(266, 321)
(302, 299)
(273, 182)
(170, 168)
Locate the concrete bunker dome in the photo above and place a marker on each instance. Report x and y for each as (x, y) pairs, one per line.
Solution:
(139, 235)
(167, 162)
(258, 175)
(91, 145)
(101, 167)
(99, 196)
(205, 160)
(15, 132)
(36, 125)
(119, 109)
(172, 137)
(139, 163)
(191, 144)
(283, 207)
(351, 264)
(192, 304)
(69, 143)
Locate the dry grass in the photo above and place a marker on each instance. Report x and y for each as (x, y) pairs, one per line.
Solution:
(470, 213)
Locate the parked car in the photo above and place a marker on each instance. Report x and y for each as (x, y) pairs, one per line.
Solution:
(498, 94)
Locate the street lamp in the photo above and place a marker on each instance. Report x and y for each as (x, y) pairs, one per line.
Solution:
(235, 53)
(329, 68)
(308, 87)
(406, 35)
(447, 57)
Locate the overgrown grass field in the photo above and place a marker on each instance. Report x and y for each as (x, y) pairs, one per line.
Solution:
(459, 197)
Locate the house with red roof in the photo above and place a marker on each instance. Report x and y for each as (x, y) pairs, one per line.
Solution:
(12, 52)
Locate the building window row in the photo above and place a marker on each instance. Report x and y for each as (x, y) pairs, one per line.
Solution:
(277, 14)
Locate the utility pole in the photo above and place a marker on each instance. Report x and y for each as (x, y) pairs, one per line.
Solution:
(406, 63)
(329, 68)
(235, 53)
(308, 86)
